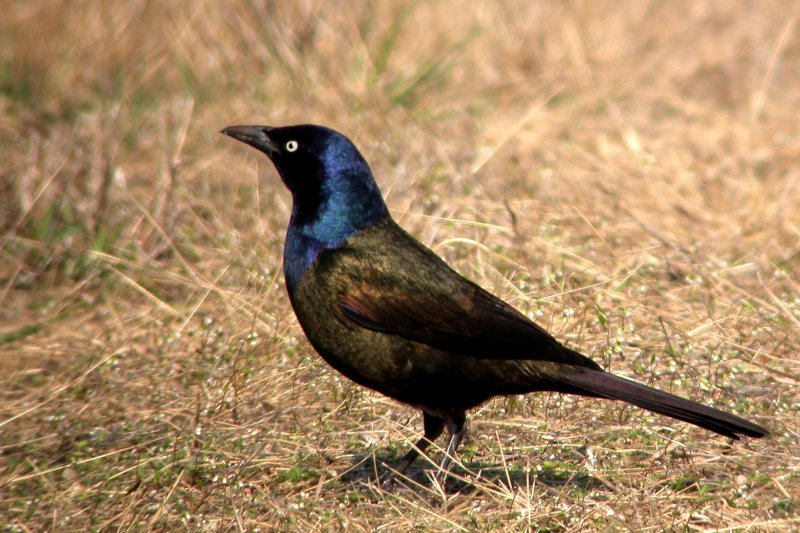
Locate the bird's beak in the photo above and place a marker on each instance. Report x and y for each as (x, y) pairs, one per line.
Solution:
(255, 136)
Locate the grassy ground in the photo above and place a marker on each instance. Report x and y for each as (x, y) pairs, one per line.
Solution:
(626, 173)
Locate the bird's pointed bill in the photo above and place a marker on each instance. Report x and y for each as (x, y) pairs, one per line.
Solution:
(255, 136)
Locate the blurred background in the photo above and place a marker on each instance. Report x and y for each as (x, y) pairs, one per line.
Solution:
(626, 173)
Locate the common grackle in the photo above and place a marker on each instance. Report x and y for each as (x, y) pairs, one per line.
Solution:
(389, 314)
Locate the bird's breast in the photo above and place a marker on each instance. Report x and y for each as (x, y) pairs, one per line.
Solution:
(368, 358)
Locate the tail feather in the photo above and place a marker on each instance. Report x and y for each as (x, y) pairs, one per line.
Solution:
(606, 385)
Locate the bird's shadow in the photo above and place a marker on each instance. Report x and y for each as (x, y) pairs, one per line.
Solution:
(379, 469)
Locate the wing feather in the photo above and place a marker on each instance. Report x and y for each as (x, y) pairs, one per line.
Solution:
(414, 294)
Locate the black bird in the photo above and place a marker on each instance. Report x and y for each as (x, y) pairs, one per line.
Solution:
(388, 313)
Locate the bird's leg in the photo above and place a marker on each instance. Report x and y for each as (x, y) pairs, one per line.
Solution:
(434, 426)
(457, 428)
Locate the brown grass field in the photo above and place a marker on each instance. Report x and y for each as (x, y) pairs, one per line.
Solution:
(627, 173)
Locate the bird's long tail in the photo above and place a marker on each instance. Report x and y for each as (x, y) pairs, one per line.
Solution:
(605, 385)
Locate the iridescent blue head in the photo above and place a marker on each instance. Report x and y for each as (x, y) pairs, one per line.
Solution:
(334, 192)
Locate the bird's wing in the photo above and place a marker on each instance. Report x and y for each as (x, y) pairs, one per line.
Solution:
(405, 289)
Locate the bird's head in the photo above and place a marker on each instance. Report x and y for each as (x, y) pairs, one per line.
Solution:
(322, 168)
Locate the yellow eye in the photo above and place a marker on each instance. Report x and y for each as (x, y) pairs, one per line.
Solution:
(292, 146)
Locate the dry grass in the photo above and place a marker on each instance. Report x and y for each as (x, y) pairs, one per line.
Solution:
(628, 173)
